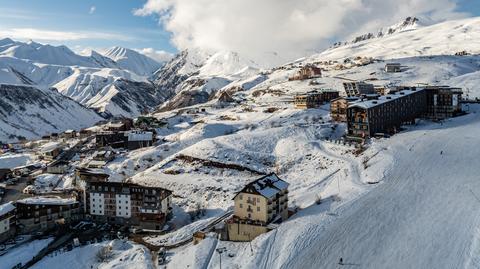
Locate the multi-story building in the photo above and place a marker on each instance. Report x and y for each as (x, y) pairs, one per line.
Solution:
(140, 139)
(393, 68)
(314, 99)
(358, 88)
(128, 204)
(307, 72)
(39, 214)
(7, 221)
(385, 114)
(338, 108)
(258, 204)
(443, 102)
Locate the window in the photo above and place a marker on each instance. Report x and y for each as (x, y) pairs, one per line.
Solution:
(241, 206)
(93, 199)
(240, 197)
(119, 207)
(258, 208)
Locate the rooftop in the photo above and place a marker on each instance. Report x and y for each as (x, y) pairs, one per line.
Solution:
(6, 208)
(383, 99)
(47, 200)
(268, 186)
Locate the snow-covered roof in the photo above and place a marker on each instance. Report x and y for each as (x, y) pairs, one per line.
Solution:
(140, 136)
(267, 186)
(47, 200)
(6, 208)
(50, 146)
(383, 99)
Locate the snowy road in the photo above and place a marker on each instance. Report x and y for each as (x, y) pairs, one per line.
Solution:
(424, 216)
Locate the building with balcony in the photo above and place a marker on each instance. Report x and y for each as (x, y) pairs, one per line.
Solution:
(338, 108)
(7, 221)
(258, 205)
(128, 204)
(358, 88)
(307, 72)
(40, 214)
(314, 99)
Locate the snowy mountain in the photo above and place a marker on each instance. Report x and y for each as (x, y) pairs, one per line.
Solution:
(133, 61)
(29, 112)
(91, 80)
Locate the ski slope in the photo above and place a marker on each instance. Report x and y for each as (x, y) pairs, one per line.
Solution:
(425, 215)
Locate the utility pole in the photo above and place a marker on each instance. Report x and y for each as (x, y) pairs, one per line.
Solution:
(220, 251)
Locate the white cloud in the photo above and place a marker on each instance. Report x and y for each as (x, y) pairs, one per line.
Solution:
(158, 55)
(291, 28)
(50, 35)
(92, 9)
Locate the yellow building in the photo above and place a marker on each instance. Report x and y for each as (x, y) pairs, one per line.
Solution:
(259, 204)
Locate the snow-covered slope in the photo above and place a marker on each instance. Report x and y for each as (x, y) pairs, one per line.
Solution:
(133, 61)
(445, 38)
(29, 112)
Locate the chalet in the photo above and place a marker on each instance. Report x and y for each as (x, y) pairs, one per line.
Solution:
(338, 108)
(7, 221)
(393, 68)
(307, 72)
(58, 167)
(358, 88)
(140, 139)
(84, 133)
(101, 158)
(385, 114)
(258, 205)
(40, 214)
(120, 125)
(128, 204)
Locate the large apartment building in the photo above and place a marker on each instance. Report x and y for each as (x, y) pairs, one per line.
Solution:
(7, 221)
(358, 88)
(314, 99)
(385, 114)
(128, 204)
(39, 214)
(258, 204)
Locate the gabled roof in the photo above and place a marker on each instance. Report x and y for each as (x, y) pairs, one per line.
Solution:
(6, 208)
(267, 186)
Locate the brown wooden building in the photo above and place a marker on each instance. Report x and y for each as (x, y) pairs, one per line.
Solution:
(338, 108)
(314, 99)
(358, 88)
(307, 72)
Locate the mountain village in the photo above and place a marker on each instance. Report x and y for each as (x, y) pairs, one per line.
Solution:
(222, 170)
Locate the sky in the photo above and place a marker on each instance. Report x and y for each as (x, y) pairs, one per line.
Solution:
(160, 28)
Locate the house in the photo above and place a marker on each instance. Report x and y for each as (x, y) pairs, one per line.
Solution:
(259, 204)
(385, 114)
(307, 72)
(128, 204)
(120, 125)
(100, 158)
(393, 68)
(314, 99)
(110, 139)
(69, 134)
(7, 221)
(358, 88)
(54, 136)
(42, 213)
(140, 139)
(84, 175)
(338, 108)
(58, 167)
(84, 133)
(443, 102)
(51, 150)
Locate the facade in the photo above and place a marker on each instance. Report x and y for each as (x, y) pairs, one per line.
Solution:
(358, 88)
(128, 204)
(120, 125)
(393, 68)
(338, 108)
(443, 102)
(139, 139)
(257, 205)
(110, 139)
(40, 214)
(51, 150)
(7, 221)
(68, 134)
(385, 114)
(314, 99)
(307, 72)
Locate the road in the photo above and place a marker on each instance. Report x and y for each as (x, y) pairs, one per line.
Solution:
(15, 192)
(426, 214)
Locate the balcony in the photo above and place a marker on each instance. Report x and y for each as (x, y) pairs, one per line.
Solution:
(250, 210)
(252, 202)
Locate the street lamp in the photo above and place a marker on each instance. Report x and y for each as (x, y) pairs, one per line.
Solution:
(220, 251)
